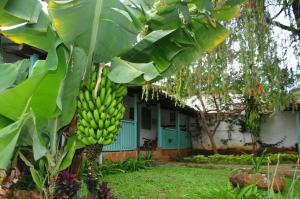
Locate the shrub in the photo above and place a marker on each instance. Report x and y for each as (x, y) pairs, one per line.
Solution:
(129, 165)
(67, 185)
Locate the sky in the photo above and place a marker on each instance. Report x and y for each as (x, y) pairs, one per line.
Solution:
(283, 38)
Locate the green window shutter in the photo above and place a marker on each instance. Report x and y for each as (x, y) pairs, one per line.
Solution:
(146, 118)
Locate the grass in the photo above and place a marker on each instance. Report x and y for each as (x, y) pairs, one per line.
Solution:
(169, 182)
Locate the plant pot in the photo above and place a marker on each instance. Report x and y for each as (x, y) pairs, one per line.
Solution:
(261, 181)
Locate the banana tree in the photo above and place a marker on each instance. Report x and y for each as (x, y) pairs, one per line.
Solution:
(142, 40)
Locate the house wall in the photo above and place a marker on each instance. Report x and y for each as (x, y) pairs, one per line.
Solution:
(165, 119)
(281, 125)
(273, 129)
(234, 139)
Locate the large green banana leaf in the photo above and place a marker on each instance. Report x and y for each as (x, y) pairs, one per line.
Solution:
(13, 12)
(94, 25)
(187, 40)
(10, 73)
(42, 88)
(70, 86)
(9, 137)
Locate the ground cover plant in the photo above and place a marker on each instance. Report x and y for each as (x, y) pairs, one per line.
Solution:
(243, 159)
(174, 182)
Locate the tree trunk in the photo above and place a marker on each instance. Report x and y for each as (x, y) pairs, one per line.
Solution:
(212, 141)
(209, 133)
(76, 163)
(51, 188)
(254, 147)
(296, 11)
(92, 153)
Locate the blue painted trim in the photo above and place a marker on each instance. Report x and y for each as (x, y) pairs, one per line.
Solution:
(136, 120)
(126, 140)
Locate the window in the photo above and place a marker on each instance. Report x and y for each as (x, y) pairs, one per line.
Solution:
(131, 113)
(146, 118)
(172, 117)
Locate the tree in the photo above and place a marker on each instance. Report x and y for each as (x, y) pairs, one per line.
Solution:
(245, 69)
(151, 39)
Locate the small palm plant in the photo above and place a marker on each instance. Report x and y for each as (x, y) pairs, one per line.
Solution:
(257, 162)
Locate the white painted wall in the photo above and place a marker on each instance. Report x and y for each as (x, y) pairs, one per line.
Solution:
(236, 139)
(273, 129)
(278, 126)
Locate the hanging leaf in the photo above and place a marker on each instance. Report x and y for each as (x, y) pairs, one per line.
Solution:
(69, 152)
(44, 99)
(226, 13)
(70, 86)
(209, 37)
(42, 86)
(28, 10)
(141, 49)
(13, 13)
(125, 72)
(15, 99)
(203, 5)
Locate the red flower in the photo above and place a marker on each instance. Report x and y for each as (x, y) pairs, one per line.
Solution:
(260, 88)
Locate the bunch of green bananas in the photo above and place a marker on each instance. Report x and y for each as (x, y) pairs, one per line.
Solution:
(99, 117)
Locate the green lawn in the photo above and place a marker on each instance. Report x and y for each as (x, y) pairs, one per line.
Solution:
(169, 182)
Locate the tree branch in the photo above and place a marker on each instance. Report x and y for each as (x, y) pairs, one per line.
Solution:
(284, 27)
(282, 9)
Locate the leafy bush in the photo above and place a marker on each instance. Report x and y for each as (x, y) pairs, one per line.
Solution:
(129, 165)
(243, 159)
(93, 187)
(67, 185)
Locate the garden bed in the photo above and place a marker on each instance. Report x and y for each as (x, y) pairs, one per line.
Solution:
(243, 159)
